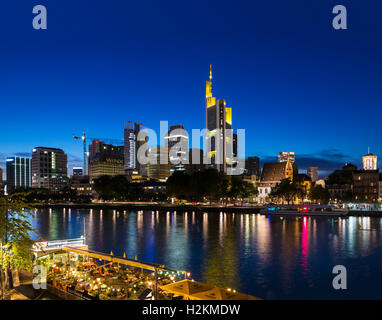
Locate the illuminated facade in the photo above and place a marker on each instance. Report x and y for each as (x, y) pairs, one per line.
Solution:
(218, 119)
(369, 161)
(313, 173)
(131, 147)
(176, 141)
(105, 160)
(287, 155)
(271, 175)
(158, 166)
(18, 173)
(49, 168)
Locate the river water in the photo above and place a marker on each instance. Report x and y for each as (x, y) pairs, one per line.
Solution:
(269, 257)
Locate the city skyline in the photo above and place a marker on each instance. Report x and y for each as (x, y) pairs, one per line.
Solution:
(302, 77)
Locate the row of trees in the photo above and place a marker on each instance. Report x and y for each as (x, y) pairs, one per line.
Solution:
(289, 191)
(46, 195)
(209, 184)
(118, 188)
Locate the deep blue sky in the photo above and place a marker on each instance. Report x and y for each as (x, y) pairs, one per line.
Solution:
(294, 83)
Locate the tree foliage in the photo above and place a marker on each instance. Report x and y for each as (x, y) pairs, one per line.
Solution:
(287, 190)
(15, 232)
(319, 194)
(208, 184)
(119, 188)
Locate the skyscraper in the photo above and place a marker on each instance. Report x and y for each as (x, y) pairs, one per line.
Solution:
(131, 147)
(176, 141)
(18, 173)
(49, 168)
(287, 155)
(157, 168)
(105, 159)
(313, 173)
(218, 119)
(195, 162)
(252, 166)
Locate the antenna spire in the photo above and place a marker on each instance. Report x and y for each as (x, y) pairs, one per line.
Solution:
(210, 72)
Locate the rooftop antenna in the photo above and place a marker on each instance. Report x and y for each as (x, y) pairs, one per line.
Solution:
(210, 72)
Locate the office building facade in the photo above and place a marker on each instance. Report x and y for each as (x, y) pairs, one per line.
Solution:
(176, 141)
(158, 166)
(287, 155)
(105, 159)
(19, 173)
(131, 147)
(49, 168)
(313, 173)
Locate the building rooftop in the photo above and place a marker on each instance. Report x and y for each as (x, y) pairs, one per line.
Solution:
(273, 171)
(47, 148)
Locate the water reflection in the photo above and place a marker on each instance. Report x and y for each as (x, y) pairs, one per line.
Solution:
(271, 257)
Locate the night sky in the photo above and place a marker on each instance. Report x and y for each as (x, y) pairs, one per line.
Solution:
(294, 82)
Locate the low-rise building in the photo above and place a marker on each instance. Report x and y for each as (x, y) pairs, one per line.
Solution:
(82, 185)
(271, 175)
(366, 185)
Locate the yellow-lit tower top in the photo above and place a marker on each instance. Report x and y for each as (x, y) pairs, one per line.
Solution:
(210, 100)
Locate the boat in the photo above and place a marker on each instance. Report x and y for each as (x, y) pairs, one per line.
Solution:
(304, 210)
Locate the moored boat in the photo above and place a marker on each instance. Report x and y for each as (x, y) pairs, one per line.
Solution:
(304, 210)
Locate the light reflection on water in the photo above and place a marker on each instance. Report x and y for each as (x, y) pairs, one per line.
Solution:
(265, 256)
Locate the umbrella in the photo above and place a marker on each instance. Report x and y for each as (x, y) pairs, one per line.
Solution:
(186, 288)
(222, 294)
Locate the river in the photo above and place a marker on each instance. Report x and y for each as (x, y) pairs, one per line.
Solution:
(269, 257)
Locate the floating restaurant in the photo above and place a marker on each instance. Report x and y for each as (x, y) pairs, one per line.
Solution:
(76, 273)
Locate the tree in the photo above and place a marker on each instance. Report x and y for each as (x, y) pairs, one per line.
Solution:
(15, 235)
(319, 194)
(287, 190)
(103, 187)
(179, 185)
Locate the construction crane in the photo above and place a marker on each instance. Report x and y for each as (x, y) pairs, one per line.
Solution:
(84, 138)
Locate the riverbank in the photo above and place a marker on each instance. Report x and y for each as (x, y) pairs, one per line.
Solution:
(156, 207)
(164, 207)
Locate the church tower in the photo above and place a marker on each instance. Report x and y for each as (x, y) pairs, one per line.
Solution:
(369, 161)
